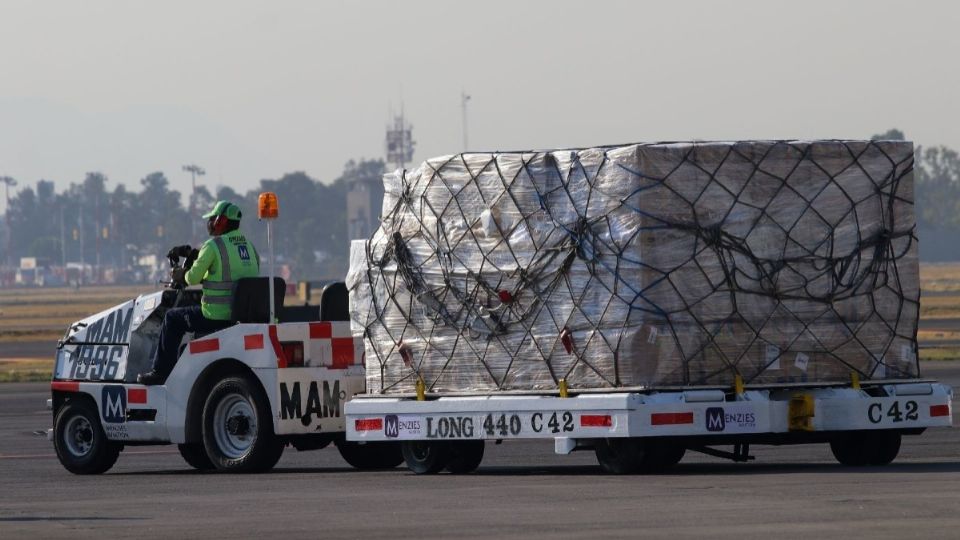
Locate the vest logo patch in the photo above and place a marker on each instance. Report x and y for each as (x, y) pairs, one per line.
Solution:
(244, 252)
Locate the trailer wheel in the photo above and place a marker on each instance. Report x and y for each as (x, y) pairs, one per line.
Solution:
(866, 448)
(425, 457)
(196, 456)
(237, 434)
(621, 455)
(80, 442)
(885, 447)
(663, 456)
(370, 456)
(465, 456)
(849, 451)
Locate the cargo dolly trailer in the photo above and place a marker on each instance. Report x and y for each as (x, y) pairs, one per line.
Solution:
(647, 432)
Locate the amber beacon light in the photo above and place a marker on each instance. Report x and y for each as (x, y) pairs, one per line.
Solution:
(267, 206)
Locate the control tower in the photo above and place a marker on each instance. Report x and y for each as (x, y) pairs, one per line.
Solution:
(365, 195)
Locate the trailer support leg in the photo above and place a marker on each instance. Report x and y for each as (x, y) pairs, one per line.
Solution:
(740, 454)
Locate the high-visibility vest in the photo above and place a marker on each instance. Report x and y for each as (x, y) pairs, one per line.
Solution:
(223, 260)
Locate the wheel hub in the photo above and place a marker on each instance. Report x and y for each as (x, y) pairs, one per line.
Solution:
(420, 450)
(238, 425)
(235, 426)
(78, 436)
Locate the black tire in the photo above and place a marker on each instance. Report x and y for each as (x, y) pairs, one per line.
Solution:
(662, 455)
(425, 457)
(621, 455)
(860, 449)
(465, 456)
(237, 431)
(196, 456)
(848, 452)
(884, 448)
(79, 440)
(371, 456)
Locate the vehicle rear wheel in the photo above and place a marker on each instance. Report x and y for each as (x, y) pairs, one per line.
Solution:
(425, 457)
(237, 433)
(866, 448)
(465, 456)
(196, 456)
(80, 442)
(371, 456)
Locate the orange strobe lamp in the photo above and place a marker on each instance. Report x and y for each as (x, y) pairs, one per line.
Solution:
(267, 206)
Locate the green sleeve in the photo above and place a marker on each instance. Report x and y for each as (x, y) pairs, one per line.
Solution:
(200, 266)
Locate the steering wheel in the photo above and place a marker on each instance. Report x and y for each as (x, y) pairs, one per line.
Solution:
(178, 286)
(173, 256)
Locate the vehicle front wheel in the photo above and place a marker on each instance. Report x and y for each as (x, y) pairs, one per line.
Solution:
(196, 456)
(371, 456)
(80, 442)
(425, 457)
(237, 433)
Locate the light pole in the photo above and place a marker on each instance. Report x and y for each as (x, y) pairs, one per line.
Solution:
(464, 98)
(195, 171)
(8, 182)
(63, 240)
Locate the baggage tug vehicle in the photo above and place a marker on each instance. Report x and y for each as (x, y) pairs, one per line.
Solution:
(237, 397)
(233, 401)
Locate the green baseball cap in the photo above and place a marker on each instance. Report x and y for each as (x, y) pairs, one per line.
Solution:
(225, 208)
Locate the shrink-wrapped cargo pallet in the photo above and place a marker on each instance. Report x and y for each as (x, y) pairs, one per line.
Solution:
(642, 266)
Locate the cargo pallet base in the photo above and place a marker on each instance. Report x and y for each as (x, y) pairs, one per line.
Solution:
(646, 432)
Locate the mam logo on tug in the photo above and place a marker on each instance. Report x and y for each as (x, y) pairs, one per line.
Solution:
(319, 403)
(104, 345)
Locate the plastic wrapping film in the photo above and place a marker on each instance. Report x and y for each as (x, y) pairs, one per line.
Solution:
(641, 266)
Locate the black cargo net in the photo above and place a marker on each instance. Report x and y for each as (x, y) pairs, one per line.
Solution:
(643, 266)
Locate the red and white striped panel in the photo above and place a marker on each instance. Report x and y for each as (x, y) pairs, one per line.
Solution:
(332, 345)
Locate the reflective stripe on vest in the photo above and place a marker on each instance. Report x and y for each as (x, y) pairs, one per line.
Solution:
(225, 275)
(218, 286)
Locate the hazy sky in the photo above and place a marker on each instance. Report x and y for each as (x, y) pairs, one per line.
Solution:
(252, 90)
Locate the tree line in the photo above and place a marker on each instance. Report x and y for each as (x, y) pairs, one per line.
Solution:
(936, 199)
(94, 223)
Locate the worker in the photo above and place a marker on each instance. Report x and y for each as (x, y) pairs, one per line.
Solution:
(224, 258)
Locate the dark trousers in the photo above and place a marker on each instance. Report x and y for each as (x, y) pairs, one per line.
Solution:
(176, 323)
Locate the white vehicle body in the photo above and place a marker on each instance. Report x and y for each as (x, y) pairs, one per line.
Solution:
(233, 401)
(307, 399)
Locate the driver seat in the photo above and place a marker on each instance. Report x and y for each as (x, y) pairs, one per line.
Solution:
(251, 299)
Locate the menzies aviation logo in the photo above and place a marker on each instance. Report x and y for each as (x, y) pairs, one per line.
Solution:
(113, 402)
(715, 419)
(391, 426)
(734, 418)
(403, 426)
